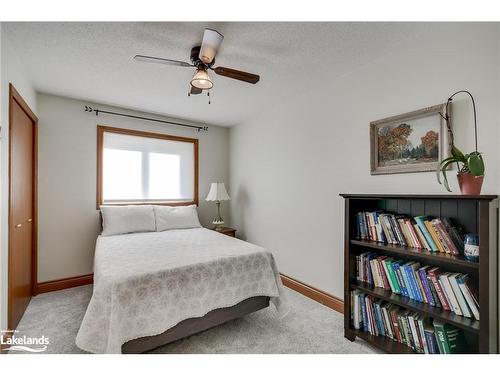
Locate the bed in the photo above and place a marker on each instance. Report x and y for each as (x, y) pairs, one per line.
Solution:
(156, 287)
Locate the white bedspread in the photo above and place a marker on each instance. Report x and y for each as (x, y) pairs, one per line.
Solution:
(146, 283)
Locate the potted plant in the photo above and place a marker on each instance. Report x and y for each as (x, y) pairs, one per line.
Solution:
(470, 166)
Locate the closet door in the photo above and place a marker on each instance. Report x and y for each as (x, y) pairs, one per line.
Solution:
(21, 209)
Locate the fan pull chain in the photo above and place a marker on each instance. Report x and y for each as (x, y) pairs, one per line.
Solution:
(208, 94)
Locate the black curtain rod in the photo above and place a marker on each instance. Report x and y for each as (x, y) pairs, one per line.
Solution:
(97, 111)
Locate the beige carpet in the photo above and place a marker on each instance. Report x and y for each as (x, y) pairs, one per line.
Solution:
(309, 328)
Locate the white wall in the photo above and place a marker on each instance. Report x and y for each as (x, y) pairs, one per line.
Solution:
(68, 220)
(289, 164)
(11, 72)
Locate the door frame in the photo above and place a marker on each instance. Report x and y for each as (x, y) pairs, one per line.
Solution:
(15, 97)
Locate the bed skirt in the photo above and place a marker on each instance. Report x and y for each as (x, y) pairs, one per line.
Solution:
(192, 326)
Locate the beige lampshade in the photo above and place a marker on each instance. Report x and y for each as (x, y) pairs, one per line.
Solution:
(217, 192)
(201, 80)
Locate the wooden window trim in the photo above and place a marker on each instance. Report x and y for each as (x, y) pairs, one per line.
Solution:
(101, 129)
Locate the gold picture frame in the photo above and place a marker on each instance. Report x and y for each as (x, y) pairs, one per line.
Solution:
(412, 142)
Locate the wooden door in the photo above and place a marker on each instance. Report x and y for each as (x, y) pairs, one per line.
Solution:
(22, 207)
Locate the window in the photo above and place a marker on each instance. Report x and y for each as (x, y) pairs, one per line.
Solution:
(135, 167)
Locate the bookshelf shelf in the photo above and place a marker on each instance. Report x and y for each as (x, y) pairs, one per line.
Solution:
(383, 343)
(428, 257)
(447, 316)
(476, 214)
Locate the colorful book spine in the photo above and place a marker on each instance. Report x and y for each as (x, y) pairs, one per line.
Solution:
(445, 282)
(420, 287)
(420, 220)
(427, 291)
(458, 294)
(435, 297)
(445, 236)
(408, 283)
(434, 236)
(421, 237)
(434, 274)
(364, 313)
(399, 274)
(430, 339)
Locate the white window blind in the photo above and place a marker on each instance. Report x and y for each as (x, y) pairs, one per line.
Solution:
(143, 169)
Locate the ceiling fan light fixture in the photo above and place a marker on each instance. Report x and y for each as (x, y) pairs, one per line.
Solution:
(201, 80)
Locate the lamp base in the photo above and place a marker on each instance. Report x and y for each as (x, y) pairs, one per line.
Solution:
(218, 221)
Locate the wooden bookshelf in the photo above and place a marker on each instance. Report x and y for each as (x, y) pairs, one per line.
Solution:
(476, 214)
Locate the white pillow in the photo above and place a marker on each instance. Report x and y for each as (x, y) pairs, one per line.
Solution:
(127, 219)
(180, 217)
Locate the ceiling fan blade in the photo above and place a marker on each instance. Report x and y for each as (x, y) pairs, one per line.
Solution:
(195, 90)
(160, 60)
(211, 42)
(237, 74)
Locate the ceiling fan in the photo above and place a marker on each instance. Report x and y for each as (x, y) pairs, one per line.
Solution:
(203, 59)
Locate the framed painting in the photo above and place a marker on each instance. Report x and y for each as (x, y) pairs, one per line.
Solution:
(412, 142)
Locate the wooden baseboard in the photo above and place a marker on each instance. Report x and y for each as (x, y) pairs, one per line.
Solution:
(318, 295)
(69, 282)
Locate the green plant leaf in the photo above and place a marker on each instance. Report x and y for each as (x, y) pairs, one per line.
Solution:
(445, 181)
(442, 168)
(458, 154)
(451, 158)
(476, 164)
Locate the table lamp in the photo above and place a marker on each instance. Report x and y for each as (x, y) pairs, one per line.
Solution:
(217, 194)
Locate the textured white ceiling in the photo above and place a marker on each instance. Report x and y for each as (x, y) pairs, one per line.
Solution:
(93, 61)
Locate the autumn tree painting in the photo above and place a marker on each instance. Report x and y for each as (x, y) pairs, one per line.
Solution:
(397, 146)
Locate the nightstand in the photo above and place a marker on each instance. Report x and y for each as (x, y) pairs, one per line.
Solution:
(225, 230)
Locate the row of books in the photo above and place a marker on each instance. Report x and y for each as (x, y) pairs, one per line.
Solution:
(421, 232)
(451, 291)
(422, 334)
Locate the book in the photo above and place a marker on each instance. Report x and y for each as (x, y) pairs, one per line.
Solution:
(435, 297)
(356, 316)
(445, 236)
(456, 233)
(450, 339)
(399, 274)
(404, 231)
(434, 236)
(420, 289)
(462, 283)
(364, 312)
(410, 268)
(387, 321)
(420, 325)
(420, 220)
(393, 312)
(389, 234)
(383, 276)
(439, 235)
(422, 273)
(417, 346)
(406, 278)
(430, 339)
(473, 290)
(434, 275)
(413, 234)
(450, 295)
(397, 230)
(392, 276)
(458, 294)
(421, 237)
